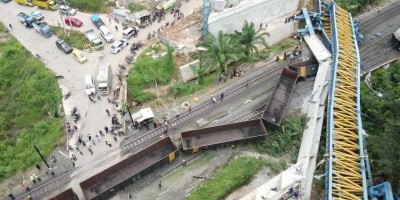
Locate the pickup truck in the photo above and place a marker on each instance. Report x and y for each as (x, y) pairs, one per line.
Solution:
(25, 19)
(25, 2)
(95, 41)
(46, 4)
(37, 15)
(96, 20)
(43, 29)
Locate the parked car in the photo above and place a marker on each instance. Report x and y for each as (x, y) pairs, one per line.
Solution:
(37, 15)
(90, 87)
(66, 10)
(72, 21)
(107, 35)
(61, 44)
(118, 46)
(79, 56)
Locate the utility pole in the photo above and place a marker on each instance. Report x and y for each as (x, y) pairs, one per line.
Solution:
(40, 154)
(62, 21)
(129, 112)
(158, 95)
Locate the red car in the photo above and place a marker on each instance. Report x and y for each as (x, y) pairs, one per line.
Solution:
(73, 22)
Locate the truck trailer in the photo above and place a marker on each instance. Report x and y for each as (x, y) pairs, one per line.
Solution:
(46, 4)
(104, 78)
(396, 40)
(25, 2)
(95, 41)
(43, 29)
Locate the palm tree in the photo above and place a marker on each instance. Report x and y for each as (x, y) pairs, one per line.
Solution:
(218, 51)
(250, 39)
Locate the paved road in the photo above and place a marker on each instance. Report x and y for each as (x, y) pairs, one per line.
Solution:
(93, 114)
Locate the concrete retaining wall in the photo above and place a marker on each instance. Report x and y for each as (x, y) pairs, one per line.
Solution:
(256, 11)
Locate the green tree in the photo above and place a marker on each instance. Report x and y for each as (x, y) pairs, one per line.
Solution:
(381, 121)
(218, 51)
(250, 39)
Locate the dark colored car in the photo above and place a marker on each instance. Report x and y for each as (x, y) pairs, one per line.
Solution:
(61, 44)
(5, 1)
(73, 22)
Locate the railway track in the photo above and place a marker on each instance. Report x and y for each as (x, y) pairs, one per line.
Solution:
(129, 145)
(301, 87)
(384, 41)
(366, 27)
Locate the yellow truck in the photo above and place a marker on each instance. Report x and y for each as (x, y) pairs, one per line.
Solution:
(46, 4)
(25, 2)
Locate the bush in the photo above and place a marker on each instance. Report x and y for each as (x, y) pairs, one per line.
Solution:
(354, 6)
(285, 140)
(29, 95)
(148, 70)
(88, 5)
(237, 173)
(135, 7)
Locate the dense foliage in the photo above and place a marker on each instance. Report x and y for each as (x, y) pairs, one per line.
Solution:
(381, 118)
(88, 5)
(147, 70)
(29, 99)
(354, 6)
(236, 174)
(286, 140)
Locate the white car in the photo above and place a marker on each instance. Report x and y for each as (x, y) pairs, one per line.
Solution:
(118, 46)
(107, 35)
(90, 87)
(66, 10)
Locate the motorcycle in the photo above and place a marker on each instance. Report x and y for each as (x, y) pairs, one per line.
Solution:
(74, 111)
(76, 117)
(67, 95)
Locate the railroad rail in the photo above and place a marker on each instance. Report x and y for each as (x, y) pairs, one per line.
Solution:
(393, 11)
(131, 144)
(346, 166)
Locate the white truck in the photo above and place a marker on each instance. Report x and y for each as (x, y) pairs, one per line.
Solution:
(104, 78)
(95, 41)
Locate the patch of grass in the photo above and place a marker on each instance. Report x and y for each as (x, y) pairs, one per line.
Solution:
(276, 166)
(237, 173)
(89, 5)
(179, 89)
(284, 45)
(148, 70)
(76, 39)
(29, 99)
(285, 140)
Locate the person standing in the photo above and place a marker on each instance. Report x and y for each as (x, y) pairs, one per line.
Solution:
(101, 133)
(222, 96)
(10, 26)
(106, 129)
(116, 27)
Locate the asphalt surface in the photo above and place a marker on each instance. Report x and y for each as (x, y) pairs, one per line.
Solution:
(93, 115)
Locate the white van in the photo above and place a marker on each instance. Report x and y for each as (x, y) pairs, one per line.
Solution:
(129, 32)
(90, 87)
(107, 35)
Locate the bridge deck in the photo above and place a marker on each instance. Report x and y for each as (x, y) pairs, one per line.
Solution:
(345, 172)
